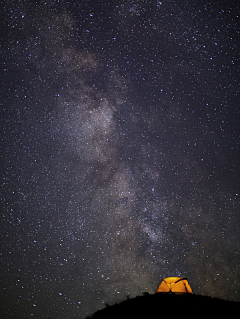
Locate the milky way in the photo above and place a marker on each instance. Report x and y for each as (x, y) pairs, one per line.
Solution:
(120, 162)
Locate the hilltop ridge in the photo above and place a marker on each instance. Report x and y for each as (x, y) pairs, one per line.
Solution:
(161, 304)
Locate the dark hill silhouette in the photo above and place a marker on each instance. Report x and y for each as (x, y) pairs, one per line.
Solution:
(163, 305)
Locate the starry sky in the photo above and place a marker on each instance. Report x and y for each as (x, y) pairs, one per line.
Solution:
(119, 152)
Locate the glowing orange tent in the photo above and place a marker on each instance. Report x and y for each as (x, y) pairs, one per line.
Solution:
(175, 285)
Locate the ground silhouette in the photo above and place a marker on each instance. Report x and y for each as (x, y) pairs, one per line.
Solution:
(167, 305)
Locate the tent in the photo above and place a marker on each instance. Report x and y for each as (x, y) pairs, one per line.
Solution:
(175, 285)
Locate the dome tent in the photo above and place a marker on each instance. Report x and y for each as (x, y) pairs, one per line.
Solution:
(175, 285)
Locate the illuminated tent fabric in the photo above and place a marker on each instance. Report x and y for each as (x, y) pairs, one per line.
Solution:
(175, 285)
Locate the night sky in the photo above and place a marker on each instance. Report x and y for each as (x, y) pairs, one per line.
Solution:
(120, 132)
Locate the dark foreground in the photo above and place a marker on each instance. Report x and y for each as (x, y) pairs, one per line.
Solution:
(170, 305)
